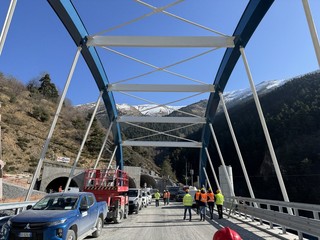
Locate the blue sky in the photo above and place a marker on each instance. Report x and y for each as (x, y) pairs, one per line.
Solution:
(37, 43)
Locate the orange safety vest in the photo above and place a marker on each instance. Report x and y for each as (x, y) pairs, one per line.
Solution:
(168, 194)
(211, 196)
(197, 196)
(204, 197)
(165, 195)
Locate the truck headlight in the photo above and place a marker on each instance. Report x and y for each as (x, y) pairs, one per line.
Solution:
(50, 224)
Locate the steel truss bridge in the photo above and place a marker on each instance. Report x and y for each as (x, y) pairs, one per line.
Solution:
(92, 46)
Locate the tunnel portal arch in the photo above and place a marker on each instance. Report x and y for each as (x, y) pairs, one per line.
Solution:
(54, 185)
(147, 181)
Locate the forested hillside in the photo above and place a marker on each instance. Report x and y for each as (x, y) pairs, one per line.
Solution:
(292, 113)
(27, 111)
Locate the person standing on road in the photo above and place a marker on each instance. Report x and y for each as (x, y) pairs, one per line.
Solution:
(197, 199)
(165, 195)
(203, 204)
(219, 202)
(157, 197)
(210, 202)
(168, 197)
(187, 203)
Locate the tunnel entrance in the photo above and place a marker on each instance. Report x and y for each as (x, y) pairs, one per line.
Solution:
(147, 181)
(54, 185)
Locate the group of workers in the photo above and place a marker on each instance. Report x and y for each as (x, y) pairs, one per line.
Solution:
(166, 197)
(203, 199)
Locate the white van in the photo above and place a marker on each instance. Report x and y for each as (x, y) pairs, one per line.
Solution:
(135, 200)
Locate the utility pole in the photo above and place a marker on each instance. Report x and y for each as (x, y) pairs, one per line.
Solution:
(186, 174)
(191, 174)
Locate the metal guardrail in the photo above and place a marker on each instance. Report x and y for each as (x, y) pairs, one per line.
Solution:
(278, 212)
(16, 205)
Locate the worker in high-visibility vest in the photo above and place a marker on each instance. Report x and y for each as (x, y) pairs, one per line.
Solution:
(168, 197)
(210, 202)
(187, 203)
(219, 198)
(157, 197)
(197, 199)
(165, 196)
(203, 204)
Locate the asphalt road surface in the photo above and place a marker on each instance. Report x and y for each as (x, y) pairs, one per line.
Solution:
(166, 223)
(157, 223)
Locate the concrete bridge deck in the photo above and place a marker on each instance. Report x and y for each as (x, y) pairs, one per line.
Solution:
(166, 222)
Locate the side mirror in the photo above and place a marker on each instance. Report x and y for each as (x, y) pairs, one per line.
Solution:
(29, 207)
(84, 208)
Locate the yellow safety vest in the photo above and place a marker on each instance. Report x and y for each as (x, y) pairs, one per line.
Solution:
(187, 200)
(219, 199)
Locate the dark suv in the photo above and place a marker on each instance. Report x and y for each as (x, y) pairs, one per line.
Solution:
(180, 195)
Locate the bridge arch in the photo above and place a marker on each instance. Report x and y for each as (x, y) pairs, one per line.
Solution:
(252, 15)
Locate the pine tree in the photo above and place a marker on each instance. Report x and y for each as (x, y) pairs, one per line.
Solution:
(47, 88)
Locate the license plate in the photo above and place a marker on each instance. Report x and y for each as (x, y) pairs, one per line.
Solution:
(25, 234)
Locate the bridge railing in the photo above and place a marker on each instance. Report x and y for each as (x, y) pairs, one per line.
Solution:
(16, 206)
(304, 220)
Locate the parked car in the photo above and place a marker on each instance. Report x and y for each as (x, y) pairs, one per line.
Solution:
(58, 216)
(179, 196)
(135, 200)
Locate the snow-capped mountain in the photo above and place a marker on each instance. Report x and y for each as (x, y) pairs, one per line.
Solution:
(231, 99)
(262, 88)
(135, 110)
(154, 110)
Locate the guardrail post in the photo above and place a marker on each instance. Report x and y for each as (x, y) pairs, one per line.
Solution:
(270, 223)
(284, 230)
(316, 216)
(296, 213)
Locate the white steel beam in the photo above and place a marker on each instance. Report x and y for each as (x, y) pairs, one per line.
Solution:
(161, 87)
(138, 119)
(6, 24)
(53, 125)
(312, 28)
(162, 144)
(265, 129)
(162, 41)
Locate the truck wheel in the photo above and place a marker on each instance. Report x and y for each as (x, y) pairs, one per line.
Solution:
(119, 217)
(71, 235)
(99, 226)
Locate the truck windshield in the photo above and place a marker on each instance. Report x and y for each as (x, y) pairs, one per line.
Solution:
(56, 203)
(133, 193)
